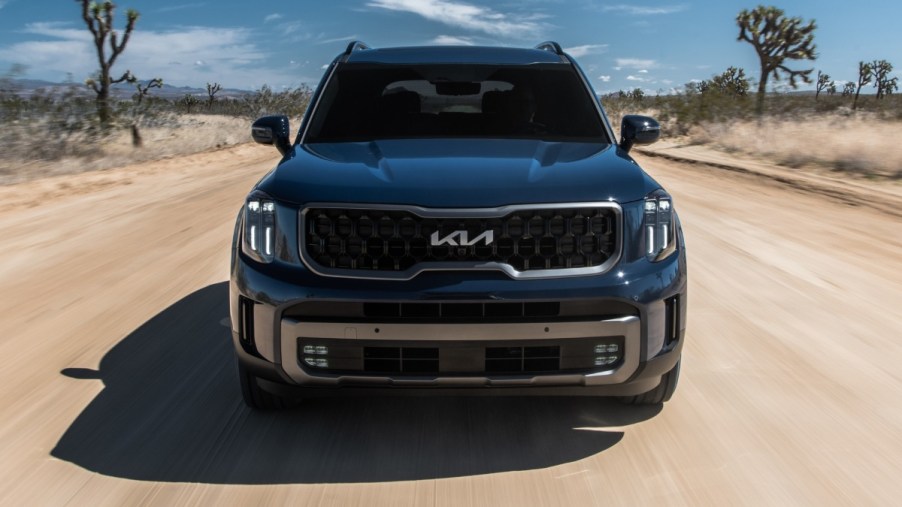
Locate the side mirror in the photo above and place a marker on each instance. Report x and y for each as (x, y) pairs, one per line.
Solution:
(273, 130)
(636, 129)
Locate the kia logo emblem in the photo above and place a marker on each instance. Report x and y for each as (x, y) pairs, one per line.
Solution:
(461, 238)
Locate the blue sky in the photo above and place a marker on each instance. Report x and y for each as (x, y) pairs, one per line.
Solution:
(620, 44)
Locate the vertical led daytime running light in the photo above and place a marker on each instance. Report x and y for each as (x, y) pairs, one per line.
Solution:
(259, 228)
(659, 233)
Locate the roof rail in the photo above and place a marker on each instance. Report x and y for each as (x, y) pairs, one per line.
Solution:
(354, 46)
(551, 46)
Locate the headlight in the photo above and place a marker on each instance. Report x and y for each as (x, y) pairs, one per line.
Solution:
(659, 234)
(258, 240)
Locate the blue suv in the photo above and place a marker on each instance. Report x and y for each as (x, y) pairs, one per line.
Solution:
(457, 219)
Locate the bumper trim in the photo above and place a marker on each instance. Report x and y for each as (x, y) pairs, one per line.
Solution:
(626, 327)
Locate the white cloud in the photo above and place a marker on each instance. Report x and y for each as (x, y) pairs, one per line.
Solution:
(637, 10)
(272, 17)
(636, 78)
(290, 28)
(189, 55)
(467, 16)
(643, 71)
(452, 40)
(605, 79)
(59, 28)
(173, 8)
(586, 49)
(635, 63)
(346, 38)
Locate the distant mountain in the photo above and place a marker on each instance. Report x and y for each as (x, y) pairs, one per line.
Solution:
(27, 87)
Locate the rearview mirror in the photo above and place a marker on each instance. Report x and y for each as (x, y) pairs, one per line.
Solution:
(273, 130)
(636, 129)
(457, 88)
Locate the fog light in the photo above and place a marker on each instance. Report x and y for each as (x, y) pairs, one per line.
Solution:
(605, 360)
(320, 350)
(317, 362)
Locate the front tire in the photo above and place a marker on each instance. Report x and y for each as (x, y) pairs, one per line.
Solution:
(255, 397)
(659, 394)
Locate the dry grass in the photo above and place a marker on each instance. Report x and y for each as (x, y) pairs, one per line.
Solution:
(858, 145)
(182, 135)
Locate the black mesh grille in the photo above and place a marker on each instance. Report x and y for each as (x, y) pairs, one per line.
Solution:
(449, 311)
(398, 240)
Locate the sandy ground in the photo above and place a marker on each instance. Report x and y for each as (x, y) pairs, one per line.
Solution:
(117, 387)
(858, 145)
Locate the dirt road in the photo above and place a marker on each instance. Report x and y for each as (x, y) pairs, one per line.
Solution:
(117, 388)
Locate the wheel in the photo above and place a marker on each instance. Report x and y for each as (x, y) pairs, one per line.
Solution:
(659, 394)
(257, 398)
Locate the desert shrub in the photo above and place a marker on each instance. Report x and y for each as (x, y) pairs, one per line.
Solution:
(680, 112)
(291, 102)
(49, 125)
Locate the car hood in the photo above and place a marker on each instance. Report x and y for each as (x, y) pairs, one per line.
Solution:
(457, 173)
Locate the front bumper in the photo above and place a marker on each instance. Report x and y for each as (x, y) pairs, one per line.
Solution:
(447, 339)
(267, 332)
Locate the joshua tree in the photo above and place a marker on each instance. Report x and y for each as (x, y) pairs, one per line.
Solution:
(832, 88)
(884, 84)
(890, 86)
(98, 16)
(823, 83)
(144, 89)
(777, 38)
(189, 101)
(212, 90)
(7, 84)
(865, 74)
(731, 82)
(848, 89)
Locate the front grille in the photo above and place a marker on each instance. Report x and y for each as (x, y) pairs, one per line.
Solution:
(522, 359)
(459, 311)
(405, 360)
(400, 242)
(450, 311)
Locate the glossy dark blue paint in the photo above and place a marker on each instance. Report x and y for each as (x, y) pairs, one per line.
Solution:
(455, 54)
(455, 173)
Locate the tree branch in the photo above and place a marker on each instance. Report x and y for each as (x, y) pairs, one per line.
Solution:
(125, 77)
(87, 17)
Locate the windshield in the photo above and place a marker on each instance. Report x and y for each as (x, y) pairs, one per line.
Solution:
(364, 102)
